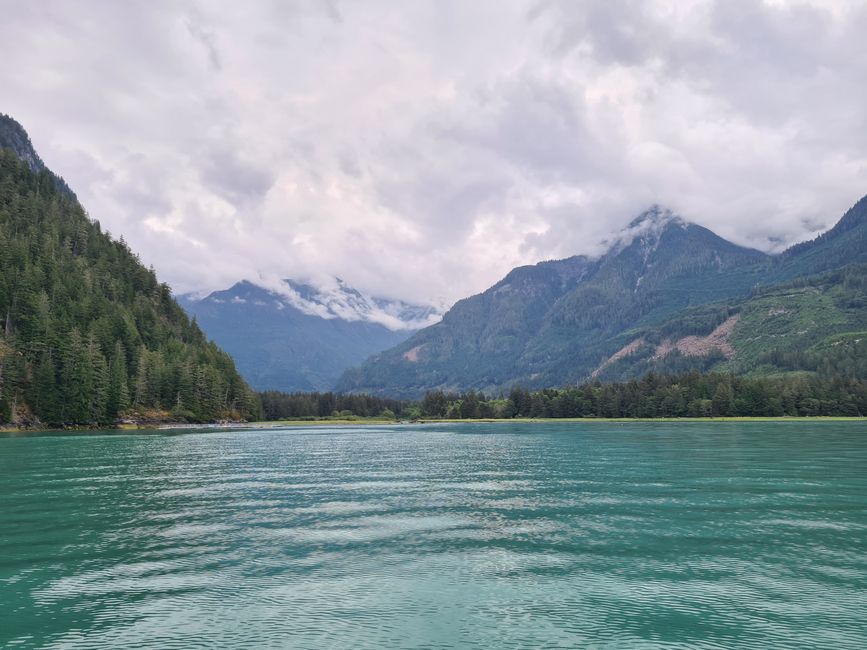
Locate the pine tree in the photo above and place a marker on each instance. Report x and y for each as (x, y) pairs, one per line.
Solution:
(118, 390)
(723, 403)
(44, 390)
(98, 393)
(5, 403)
(141, 395)
(75, 380)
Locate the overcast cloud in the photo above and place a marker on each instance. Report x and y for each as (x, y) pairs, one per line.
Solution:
(420, 150)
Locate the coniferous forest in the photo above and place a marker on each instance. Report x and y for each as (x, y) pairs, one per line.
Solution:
(87, 333)
(688, 395)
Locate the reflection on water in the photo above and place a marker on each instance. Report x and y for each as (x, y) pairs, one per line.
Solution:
(451, 536)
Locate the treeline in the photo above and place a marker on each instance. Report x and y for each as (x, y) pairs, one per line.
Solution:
(87, 333)
(692, 394)
(289, 406)
(665, 396)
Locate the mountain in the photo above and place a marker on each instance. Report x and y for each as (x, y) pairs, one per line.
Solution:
(556, 322)
(15, 138)
(88, 334)
(293, 336)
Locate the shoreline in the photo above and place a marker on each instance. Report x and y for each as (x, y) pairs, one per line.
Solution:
(273, 424)
(758, 418)
(343, 422)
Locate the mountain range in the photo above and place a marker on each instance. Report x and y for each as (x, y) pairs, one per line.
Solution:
(667, 295)
(293, 336)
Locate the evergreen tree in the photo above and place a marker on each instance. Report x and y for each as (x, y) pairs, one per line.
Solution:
(723, 402)
(98, 389)
(118, 390)
(44, 390)
(75, 381)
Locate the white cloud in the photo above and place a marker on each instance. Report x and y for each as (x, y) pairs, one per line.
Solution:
(420, 151)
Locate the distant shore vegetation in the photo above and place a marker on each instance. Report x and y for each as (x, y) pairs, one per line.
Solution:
(690, 395)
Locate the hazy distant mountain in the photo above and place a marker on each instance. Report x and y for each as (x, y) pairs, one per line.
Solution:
(293, 336)
(558, 322)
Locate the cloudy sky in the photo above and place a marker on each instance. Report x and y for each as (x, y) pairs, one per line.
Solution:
(420, 150)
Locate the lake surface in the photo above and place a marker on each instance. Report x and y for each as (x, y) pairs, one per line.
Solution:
(656, 535)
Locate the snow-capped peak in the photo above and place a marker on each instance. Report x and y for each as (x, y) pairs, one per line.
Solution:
(647, 228)
(655, 217)
(333, 298)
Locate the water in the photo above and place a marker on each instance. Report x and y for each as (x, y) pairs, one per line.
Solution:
(440, 536)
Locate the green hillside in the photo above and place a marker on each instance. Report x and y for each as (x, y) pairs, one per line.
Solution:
(88, 334)
(815, 325)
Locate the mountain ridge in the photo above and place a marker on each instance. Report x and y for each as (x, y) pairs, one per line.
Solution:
(554, 333)
(13, 136)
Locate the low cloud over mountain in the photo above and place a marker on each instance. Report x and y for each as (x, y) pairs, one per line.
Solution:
(422, 153)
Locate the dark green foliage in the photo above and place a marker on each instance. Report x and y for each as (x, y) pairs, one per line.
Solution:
(690, 394)
(86, 332)
(665, 396)
(847, 358)
(14, 137)
(290, 406)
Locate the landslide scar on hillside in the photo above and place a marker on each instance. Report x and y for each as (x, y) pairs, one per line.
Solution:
(411, 355)
(699, 346)
(690, 346)
(625, 351)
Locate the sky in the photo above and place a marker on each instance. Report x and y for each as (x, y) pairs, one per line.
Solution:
(420, 150)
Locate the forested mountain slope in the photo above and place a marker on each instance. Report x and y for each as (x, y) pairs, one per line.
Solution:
(540, 325)
(845, 243)
(480, 335)
(558, 322)
(88, 334)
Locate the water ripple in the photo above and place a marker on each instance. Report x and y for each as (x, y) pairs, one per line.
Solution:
(448, 536)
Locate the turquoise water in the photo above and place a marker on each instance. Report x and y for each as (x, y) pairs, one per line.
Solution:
(440, 536)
